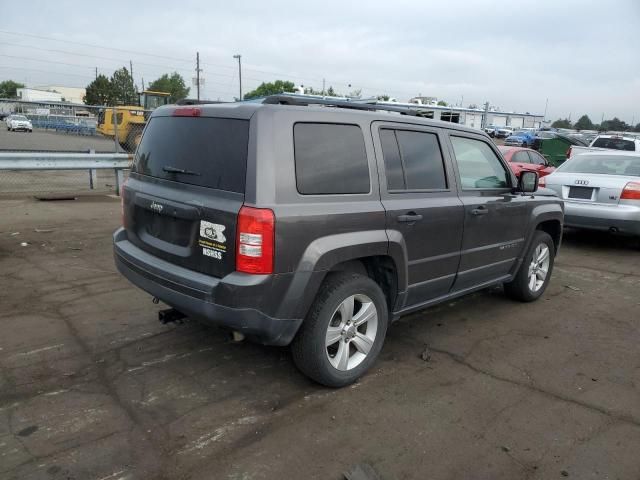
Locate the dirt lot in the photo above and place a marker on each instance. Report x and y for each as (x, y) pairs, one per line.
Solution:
(93, 387)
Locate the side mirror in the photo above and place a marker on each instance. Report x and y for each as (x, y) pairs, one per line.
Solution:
(528, 182)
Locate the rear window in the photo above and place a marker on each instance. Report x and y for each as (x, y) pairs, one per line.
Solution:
(330, 159)
(209, 152)
(615, 144)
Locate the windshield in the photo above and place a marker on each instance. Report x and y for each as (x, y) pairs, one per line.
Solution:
(614, 144)
(20, 117)
(603, 164)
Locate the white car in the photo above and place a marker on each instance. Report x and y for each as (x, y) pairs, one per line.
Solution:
(19, 122)
(627, 143)
(600, 189)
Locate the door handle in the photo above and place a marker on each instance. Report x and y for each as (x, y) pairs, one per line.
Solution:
(409, 217)
(480, 211)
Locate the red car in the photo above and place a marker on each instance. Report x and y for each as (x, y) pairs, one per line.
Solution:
(520, 159)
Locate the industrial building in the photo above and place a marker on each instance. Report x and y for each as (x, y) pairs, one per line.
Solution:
(473, 117)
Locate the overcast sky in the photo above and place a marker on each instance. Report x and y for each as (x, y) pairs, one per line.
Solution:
(581, 55)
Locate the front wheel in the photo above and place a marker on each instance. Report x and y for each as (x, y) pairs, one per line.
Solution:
(535, 272)
(344, 331)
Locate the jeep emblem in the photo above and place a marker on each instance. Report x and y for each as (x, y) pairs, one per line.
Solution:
(156, 207)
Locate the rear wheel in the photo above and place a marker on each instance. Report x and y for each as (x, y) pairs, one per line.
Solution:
(134, 137)
(344, 331)
(535, 272)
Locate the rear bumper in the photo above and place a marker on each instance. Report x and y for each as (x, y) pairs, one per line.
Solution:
(621, 218)
(208, 298)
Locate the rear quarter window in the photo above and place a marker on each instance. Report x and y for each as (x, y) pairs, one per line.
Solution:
(211, 151)
(330, 159)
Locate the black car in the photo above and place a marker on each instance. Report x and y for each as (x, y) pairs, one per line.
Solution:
(316, 223)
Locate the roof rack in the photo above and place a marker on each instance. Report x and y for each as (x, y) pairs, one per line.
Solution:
(367, 105)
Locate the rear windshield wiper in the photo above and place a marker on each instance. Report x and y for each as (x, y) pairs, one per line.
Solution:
(170, 169)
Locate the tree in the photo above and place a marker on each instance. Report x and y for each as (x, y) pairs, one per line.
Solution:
(8, 89)
(99, 92)
(615, 124)
(173, 84)
(270, 88)
(124, 91)
(584, 123)
(383, 98)
(564, 123)
(442, 103)
(637, 128)
(331, 93)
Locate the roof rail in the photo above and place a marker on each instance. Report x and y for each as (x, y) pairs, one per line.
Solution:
(284, 99)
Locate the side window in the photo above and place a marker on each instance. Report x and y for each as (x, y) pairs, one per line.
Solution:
(330, 159)
(520, 157)
(537, 159)
(392, 161)
(413, 160)
(478, 165)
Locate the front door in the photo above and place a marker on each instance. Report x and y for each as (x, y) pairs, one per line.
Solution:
(494, 217)
(423, 211)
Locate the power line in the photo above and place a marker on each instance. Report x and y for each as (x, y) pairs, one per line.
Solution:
(92, 45)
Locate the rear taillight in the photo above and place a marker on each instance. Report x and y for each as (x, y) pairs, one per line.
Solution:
(631, 191)
(569, 153)
(255, 240)
(542, 182)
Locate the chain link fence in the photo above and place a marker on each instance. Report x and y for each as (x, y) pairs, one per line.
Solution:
(69, 128)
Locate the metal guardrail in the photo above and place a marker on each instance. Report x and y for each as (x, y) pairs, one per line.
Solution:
(17, 161)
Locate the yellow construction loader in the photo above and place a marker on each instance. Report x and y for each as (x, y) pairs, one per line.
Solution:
(130, 119)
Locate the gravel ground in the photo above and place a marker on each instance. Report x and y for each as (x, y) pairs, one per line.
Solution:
(93, 387)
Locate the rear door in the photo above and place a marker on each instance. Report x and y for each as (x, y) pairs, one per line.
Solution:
(185, 190)
(522, 161)
(418, 192)
(540, 163)
(494, 217)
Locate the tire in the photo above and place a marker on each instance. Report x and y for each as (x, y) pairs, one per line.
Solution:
(520, 288)
(133, 138)
(326, 363)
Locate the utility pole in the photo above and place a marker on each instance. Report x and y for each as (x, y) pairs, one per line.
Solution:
(143, 84)
(546, 104)
(131, 73)
(198, 70)
(239, 58)
(323, 89)
(485, 116)
(96, 73)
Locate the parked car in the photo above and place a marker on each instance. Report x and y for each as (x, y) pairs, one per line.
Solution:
(521, 138)
(503, 132)
(601, 190)
(526, 160)
(19, 122)
(626, 143)
(270, 219)
(491, 130)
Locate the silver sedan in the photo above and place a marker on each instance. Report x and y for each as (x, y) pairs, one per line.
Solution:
(601, 191)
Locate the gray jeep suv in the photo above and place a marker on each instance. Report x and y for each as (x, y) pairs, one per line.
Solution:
(316, 223)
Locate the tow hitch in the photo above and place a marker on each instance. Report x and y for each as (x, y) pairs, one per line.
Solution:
(171, 315)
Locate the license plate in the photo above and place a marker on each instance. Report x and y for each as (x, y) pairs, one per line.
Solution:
(581, 193)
